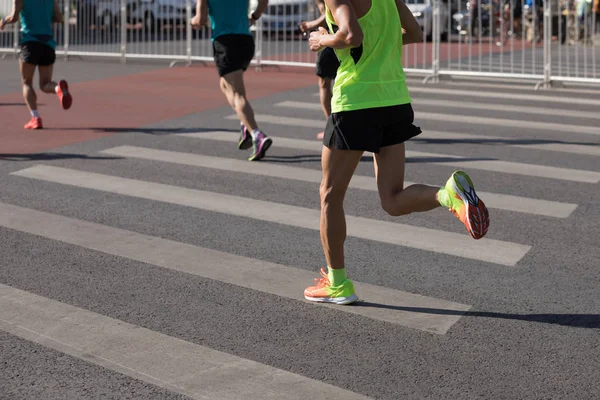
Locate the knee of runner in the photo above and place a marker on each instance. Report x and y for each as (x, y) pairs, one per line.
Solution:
(27, 82)
(390, 205)
(43, 83)
(331, 194)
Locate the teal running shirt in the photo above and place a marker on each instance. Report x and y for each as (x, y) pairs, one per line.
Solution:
(36, 22)
(228, 17)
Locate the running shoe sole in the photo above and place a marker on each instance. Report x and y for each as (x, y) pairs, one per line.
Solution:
(264, 146)
(478, 218)
(65, 97)
(334, 300)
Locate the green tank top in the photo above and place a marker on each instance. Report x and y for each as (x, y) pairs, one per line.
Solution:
(36, 22)
(371, 75)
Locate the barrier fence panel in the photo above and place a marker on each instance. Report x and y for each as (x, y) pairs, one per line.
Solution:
(420, 57)
(10, 35)
(545, 40)
(94, 28)
(496, 38)
(576, 57)
(278, 30)
(158, 29)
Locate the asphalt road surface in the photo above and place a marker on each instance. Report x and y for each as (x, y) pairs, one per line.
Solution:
(158, 263)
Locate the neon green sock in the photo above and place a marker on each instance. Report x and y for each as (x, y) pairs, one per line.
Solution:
(336, 276)
(443, 198)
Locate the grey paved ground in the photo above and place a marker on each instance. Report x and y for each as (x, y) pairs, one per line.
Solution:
(533, 331)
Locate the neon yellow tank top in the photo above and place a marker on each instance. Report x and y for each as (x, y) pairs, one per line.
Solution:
(371, 75)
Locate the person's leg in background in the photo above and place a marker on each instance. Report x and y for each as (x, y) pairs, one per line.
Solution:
(27, 67)
(233, 54)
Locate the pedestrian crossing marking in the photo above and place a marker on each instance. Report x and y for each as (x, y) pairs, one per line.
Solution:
(394, 306)
(460, 245)
(182, 367)
(493, 200)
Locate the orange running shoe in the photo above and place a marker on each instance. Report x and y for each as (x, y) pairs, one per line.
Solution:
(323, 292)
(34, 123)
(466, 206)
(62, 90)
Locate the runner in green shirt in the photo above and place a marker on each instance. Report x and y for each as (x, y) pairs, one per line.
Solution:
(371, 111)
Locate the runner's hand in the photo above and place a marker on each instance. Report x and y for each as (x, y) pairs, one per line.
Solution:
(303, 26)
(314, 40)
(197, 23)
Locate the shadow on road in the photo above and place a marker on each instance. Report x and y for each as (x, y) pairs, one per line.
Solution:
(591, 321)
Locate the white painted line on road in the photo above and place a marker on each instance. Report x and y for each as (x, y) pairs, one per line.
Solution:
(458, 94)
(492, 200)
(592, 149)
(465, 119)
(174, 364)
(397, 307)
(460, 245)
(462, 82)
(466, 105)
(541, 171)
(291, 121)
(568, 129)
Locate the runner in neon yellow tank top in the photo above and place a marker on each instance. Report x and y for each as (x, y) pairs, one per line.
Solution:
(371, 111)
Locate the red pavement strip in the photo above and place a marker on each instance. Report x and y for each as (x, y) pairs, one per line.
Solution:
(106, 107)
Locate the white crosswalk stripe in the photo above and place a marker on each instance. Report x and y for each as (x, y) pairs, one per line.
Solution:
(457, 161)
(200, 372)
(283, 281)
(493, 251)
(182, 367)
(420, 102)
(493, 200)
(465, 119)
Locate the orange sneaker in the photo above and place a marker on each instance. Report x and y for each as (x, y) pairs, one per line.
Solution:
(62, 90)
(323, 292)
(464, 203)
(34, 123)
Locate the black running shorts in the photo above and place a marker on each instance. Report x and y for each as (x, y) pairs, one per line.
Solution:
(233, 53)
(37, 53)
(371, 128)
(327, 63)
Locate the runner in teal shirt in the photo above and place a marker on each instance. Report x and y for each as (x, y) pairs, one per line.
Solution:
(233, 51)
(38, 51)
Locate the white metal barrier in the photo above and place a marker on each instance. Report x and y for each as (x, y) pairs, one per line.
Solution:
(543, 40)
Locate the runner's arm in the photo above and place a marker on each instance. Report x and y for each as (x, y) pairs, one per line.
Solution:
(260, 9)
(321, 21)
(57, 16)
(349, 33)
(317, 22)
(14, 15)
(413, 33)
(202, 11)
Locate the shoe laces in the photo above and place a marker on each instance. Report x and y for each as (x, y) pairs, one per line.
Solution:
(323, 280)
